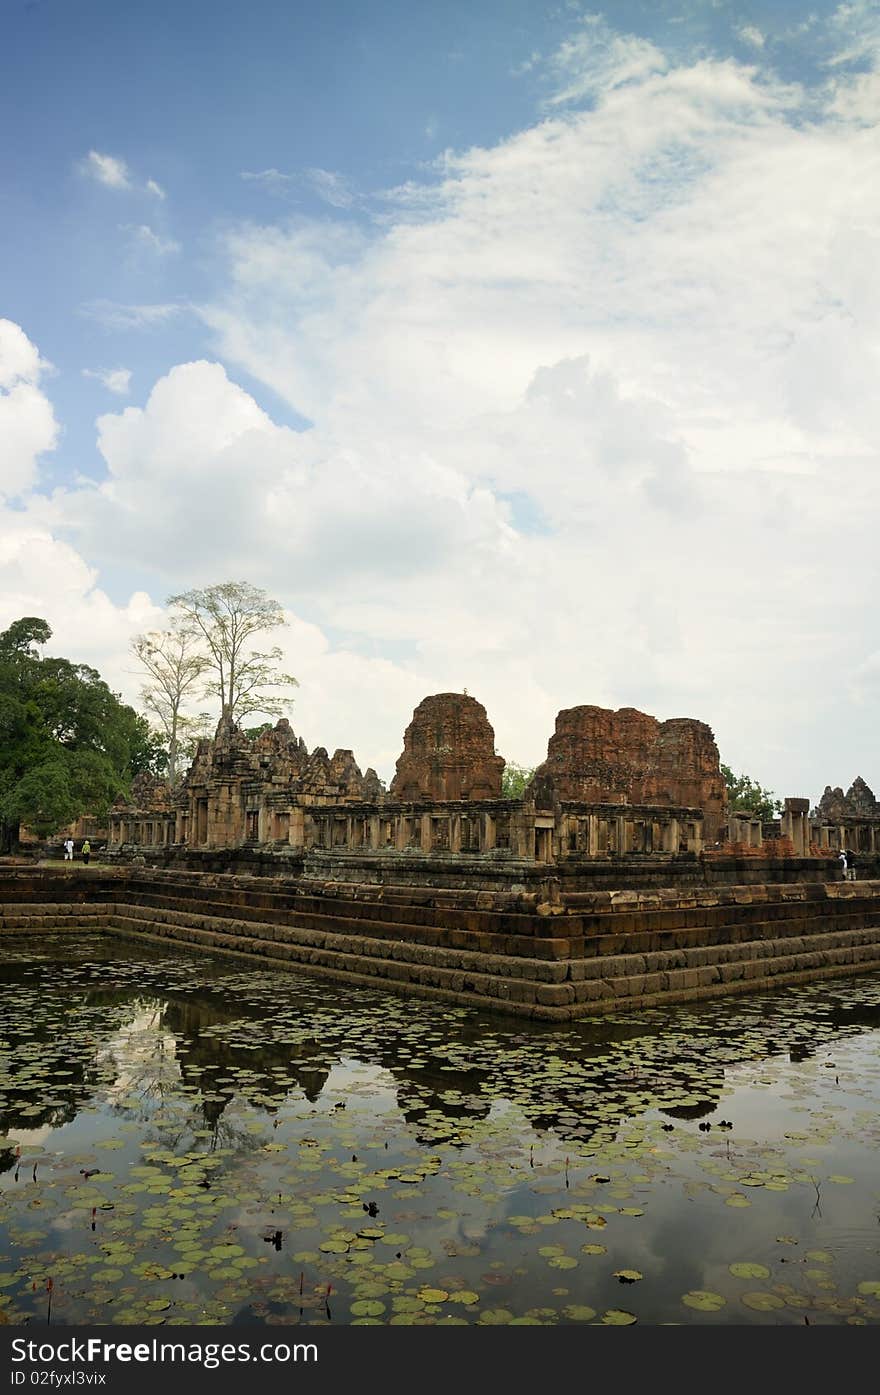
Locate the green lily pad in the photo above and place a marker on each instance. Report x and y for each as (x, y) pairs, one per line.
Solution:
(762, 1302)
(704, 1300)
(748, 1270)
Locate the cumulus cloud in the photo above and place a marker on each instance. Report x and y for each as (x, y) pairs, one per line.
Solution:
(27, 421)
(116, 380)
(155, 189)
(593, 420)
(43, 575)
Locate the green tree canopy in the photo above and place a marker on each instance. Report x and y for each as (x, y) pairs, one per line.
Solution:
(514, 779)
(68, 745)
(745, 793)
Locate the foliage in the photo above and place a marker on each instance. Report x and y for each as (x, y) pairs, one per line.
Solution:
(68, 745)
(224, 619)
(745, 793)
(173, 666)
(514, 779)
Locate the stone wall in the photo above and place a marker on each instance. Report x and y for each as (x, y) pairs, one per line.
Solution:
(559, 959)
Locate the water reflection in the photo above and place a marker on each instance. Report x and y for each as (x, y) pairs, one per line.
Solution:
(194, 1118)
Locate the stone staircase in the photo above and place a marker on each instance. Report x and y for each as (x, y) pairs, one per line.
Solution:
(599, 952)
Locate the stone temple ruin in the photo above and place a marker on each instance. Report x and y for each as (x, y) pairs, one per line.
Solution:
(614, 785)
(619, 879)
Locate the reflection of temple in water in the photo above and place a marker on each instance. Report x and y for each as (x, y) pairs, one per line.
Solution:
(435, 1098)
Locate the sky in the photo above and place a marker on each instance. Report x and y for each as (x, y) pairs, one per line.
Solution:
(528, 349)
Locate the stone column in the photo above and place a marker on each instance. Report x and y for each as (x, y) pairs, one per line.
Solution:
(620, 835)
(487, 833)
(375, 828)
(793, 825)
(401, 832)
(296, 828)
(455, 833)
(426, 834)
(592, 835)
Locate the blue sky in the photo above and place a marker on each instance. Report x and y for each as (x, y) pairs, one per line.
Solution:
(528, 348)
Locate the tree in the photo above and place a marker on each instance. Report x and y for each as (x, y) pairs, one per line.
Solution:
(226, 618)
(514, 779)
(174, 667)
(68, 745)
(745, 793)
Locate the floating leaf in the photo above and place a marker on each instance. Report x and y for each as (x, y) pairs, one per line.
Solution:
(762, 1302)
(746, 1269)
(704, 1300)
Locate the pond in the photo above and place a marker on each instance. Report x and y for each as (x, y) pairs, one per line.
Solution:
(184, 1140)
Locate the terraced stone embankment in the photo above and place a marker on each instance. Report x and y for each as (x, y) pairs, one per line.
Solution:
(597, 952)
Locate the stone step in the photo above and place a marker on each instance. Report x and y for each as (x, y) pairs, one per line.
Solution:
(488, 983)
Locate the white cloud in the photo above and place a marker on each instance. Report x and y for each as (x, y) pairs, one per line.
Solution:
(593, 421)
(145, 239)
(273, 180)
(333, 188)
(41, 575)
(27, 422)
(107, 169)
(155, 189)
(116, 380)
(113, 315)
(751, 35)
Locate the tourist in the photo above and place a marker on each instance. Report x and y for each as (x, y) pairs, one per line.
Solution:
(844, 865)
(850, 865)
(86, 850)
(68, 850)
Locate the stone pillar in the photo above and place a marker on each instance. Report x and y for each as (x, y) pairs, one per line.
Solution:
(375, 826)
(296, 828)
(401, 832)
(455, 833)
(426, 834)
(487, 833)
(593, 835)
(793, 825)
(620, 834)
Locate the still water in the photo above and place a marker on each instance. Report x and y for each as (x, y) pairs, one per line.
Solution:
(183, 1140)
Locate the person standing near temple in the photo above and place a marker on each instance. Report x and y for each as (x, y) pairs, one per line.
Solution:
(86, 850)
(850, 865)
(844, 865)
(68, 850)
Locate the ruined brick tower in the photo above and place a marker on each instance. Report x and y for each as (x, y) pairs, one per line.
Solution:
(448, 752)
(597, 755)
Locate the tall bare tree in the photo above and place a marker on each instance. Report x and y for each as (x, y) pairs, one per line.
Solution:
(226, 618)
(174, 666)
